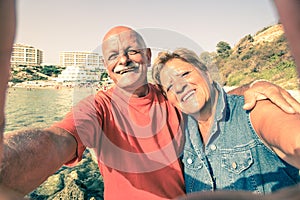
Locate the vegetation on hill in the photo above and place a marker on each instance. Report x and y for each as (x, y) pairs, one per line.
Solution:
(24, 73)
(265, 55)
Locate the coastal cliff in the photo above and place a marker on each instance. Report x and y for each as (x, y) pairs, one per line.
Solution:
(80, 182)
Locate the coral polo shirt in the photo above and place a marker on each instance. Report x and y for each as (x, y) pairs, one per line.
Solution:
(137, 142)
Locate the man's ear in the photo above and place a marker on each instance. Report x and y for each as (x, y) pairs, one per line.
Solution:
(148, 55)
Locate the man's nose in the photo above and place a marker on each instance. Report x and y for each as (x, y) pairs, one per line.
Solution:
(124, 59)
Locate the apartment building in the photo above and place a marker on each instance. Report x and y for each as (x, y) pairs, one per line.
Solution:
(25, 55)
(80, 59)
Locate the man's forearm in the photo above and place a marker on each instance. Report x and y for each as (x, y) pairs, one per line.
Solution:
(1, 138)
(8, 194)
(290, 17)
(31, 156)
(7, 36)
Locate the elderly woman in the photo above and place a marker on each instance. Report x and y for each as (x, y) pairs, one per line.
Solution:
(226, 147)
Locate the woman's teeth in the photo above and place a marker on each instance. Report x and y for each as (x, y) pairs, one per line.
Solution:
(188, 95)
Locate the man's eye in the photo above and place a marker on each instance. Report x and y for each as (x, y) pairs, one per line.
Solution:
(113, 56)
(133, 52)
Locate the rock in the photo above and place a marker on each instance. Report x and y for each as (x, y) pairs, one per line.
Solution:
(51, 186)
(72, 191)
(80, 182)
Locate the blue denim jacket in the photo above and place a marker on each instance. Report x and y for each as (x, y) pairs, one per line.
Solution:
(234, 158)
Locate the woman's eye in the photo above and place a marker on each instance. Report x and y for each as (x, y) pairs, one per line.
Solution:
(185, 74)
(169, 88)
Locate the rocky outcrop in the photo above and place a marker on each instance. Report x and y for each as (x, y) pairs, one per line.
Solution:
(80, 182)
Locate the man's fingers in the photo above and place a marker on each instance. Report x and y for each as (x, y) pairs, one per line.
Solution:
(250, 99)
(281, 98)
(264, 90)
(292, 101)
(249, 105)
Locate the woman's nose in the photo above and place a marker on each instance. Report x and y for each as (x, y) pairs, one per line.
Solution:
(179, 85)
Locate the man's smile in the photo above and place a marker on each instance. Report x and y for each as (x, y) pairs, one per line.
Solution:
(121, 69)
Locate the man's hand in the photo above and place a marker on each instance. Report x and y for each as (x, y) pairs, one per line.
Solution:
(260, 90)
(288, 193)
(8, 194)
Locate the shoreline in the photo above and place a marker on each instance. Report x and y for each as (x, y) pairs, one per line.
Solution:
(55, 85)
(52, 85)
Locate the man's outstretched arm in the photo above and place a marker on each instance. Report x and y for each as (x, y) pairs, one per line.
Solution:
(7, 35)
(31, 156)
(289, 13)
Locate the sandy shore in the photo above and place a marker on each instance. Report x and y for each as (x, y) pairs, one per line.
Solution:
(294, 93)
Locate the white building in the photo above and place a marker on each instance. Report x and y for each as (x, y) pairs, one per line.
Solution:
(79, 74)
(25, 55)
(79, 59)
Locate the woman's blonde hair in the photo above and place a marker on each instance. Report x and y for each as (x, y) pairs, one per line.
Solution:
(183, 54)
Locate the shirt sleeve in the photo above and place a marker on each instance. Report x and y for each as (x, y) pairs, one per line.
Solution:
(83, 122)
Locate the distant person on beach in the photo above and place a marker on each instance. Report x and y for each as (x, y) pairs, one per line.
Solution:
(134, 131)
(226, 147)
(289, 16)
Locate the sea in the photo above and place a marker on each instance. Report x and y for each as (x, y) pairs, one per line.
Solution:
(41, 107)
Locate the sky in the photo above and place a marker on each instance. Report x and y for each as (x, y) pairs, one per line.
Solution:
(54, 26)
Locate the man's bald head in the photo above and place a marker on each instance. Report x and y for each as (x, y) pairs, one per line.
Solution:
(115, 31)
(122, 30)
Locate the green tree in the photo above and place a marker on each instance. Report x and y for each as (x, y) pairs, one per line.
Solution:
(206, 57)
(50, 70)
(223, 49)
(103, 76)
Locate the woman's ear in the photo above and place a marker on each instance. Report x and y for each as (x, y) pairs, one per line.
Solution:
(209, 77)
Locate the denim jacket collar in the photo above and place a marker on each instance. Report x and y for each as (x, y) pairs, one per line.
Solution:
(192, 129)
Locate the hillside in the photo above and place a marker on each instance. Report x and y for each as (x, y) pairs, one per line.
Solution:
(25, 73)
(264, 55)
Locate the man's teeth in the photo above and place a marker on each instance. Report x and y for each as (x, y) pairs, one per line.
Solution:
(188, 95)
(124, 70)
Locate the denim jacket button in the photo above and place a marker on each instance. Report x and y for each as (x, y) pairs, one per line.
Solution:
(234, 165)
(213, 147)
(189, 161)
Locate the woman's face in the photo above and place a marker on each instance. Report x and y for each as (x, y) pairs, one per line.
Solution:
(187, 87)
